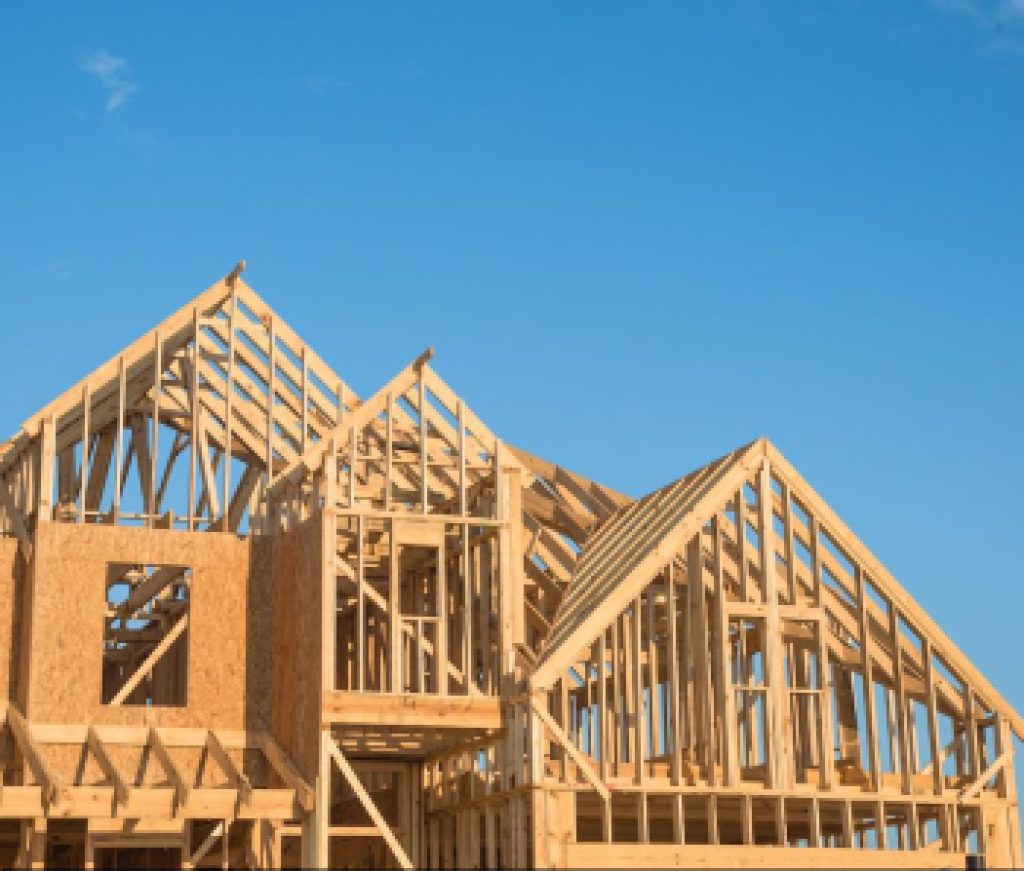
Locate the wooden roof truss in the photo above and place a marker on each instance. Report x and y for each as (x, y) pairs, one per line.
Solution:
(722, 651)
(729, 630)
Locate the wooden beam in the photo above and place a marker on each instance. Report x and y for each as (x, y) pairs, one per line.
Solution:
(866, 665)
(97, 748)
(243, 493)
(48, 780)
(119, 424)
(364, 799)
(147, 664)
(208, 844)
(83, 470)
(156, 743)
(17, 522)
(193, 407)
(151, 507)
(975, 788)
(287, 771)
(913, 613)
(236, 778)
(208, 472)
(581, 760)
(933, 719)
(621, 565)
(100, 470)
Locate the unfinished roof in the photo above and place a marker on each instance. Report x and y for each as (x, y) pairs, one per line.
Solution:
(628, 549)
(626, 682)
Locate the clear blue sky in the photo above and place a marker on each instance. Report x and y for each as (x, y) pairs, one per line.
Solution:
(638, 234)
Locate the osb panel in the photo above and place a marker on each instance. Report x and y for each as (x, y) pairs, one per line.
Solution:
(67, 636)
(297, 642)
(260, 634)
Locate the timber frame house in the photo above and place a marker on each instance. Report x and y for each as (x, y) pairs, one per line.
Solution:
(254, 620)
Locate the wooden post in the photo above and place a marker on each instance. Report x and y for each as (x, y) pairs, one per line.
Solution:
(395, 643)
(271, 402)
(674, 689)
(37, 843)
(467, 609)
(653, 730)
(154, 456)
(704, 698)
(933, 723)
(119, 459)
(726, 698)
(866, 664)
(638, 694)
(900, 701)
(353, 457)
(538, 809)
(441, 657)
(304, 412)
(389, 450)
(461, 449)
(510, 587)
(827, 752)
(329, 573)
(604, 741)
(777, 767)
(229, 395)
(89, 850)
(47, 458)
(741, 543)
(83, 476)
(424, 449)
(194, 446)
(360, 603)
(316, 823)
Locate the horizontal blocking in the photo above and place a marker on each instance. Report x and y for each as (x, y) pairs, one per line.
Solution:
(411, 711)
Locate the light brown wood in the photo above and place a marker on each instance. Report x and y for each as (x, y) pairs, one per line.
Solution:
(498, 660)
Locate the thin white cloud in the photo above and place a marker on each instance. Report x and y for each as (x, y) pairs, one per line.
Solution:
(112, 73)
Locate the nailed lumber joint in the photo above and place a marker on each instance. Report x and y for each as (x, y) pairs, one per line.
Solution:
(259, 620)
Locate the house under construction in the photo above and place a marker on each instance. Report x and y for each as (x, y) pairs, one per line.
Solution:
(251, 619)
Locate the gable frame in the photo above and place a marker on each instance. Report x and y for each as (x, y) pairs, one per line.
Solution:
(914, 615)
(596, 595)
(581, 617)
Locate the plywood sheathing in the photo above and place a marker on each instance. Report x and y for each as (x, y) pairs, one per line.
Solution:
(555, 588)
(297, 643)
(67, 638)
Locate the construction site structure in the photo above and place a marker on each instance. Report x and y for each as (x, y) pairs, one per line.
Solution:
(251, 619)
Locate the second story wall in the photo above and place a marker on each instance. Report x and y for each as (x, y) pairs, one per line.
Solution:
(225, 652)
(297, 640)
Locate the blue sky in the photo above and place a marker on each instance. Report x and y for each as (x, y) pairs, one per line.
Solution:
(637, 234)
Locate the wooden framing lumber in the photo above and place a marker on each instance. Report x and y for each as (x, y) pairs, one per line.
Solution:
(368, 805)
(582, 762)
(286, 770)
(99, 751)
(159, 749)
(510, 658)
(236, 778)
(50, 783)
(146, 666)
(975, 788)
